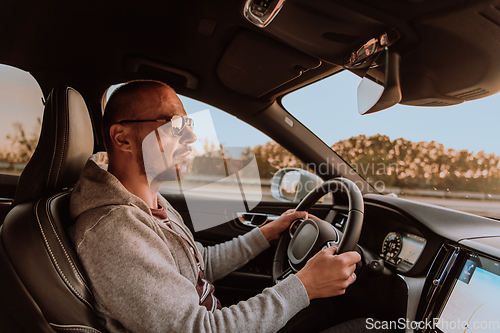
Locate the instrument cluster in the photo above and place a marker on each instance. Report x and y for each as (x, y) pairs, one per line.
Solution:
(402, 249)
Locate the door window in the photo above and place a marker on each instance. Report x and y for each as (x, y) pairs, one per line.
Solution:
(233, 147)
(21, 109)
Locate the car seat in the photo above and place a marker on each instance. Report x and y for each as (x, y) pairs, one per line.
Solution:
(43, 287)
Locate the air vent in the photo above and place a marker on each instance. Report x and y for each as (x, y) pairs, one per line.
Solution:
(472, 94)
(437, 103)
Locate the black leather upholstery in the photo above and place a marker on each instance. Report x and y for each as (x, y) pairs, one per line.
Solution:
(39, 270)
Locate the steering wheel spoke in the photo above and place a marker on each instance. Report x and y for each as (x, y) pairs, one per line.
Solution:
(285, 274)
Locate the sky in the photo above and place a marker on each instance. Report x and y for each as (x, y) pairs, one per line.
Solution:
(327, 107)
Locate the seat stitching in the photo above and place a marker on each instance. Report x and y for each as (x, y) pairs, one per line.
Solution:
(55, 261)
(64, 249)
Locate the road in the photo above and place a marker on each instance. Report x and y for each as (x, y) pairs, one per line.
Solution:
(489, 208)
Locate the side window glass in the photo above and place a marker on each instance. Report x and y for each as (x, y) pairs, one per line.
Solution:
(237, 138)
(21, 109)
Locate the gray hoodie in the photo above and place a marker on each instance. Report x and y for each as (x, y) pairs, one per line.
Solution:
(143, 276)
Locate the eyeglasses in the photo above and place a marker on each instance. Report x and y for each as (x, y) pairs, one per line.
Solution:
(179, 123)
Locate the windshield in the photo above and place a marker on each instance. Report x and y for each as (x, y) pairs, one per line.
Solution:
(449, 156)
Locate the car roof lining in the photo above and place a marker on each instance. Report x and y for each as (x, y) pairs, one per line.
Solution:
(255, 65)
(89, 47)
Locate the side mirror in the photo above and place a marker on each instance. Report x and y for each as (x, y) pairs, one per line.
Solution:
(380, 88)
(291, 184)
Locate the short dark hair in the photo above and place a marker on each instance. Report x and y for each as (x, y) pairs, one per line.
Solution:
(121, 105)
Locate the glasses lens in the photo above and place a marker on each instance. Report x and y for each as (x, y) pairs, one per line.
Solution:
(190, 123)
(178, 124)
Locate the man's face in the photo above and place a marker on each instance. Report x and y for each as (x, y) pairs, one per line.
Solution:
(164, 156)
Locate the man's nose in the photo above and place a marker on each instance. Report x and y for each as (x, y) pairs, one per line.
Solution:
(188, 136)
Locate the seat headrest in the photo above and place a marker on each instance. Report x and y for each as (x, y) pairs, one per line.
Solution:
(66, 142)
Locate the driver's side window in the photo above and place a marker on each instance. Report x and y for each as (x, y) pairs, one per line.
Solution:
(234, 135)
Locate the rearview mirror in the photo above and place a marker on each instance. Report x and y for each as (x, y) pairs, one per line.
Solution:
(380, 88)
(291, 184)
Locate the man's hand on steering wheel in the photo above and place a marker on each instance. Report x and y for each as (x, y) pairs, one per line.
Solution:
(273, 230)
(328, 274)
(319, 254)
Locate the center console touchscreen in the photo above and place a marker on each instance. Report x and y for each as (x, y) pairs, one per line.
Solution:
(473, 305)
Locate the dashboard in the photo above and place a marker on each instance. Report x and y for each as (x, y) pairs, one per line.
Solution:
(455, 257)
(405, 246)
(441, 267)
(449, 262)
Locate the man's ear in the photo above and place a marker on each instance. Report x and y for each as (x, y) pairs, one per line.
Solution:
(120, 136)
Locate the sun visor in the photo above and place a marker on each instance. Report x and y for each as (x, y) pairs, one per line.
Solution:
(255, 65)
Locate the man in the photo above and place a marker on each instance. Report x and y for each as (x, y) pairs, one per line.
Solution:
(147, 272)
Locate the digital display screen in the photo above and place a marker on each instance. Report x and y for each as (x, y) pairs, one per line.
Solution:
(474, 303)
(402, 249)
(412, 246)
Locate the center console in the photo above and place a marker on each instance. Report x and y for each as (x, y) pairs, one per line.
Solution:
(463, 294)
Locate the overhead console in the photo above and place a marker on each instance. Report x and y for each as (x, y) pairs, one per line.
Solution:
(433, 73)
(464, 68)
(303, 34)
(262, 12)
(321, 28)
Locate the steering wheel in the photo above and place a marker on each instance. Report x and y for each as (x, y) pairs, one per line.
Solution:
(313, 235)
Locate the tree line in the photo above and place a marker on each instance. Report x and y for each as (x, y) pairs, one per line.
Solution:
(400, 163)
(21, 148)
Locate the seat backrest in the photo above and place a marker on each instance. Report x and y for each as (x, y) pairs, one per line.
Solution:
(40, 271)
(66, 142)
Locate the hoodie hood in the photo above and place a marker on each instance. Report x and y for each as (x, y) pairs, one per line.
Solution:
(98, 188)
